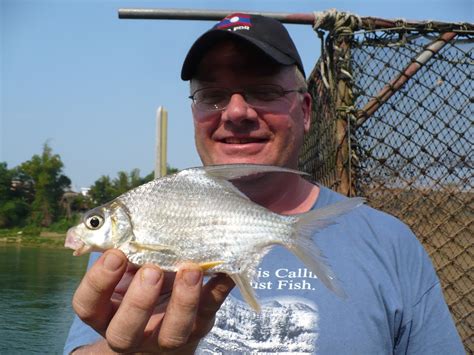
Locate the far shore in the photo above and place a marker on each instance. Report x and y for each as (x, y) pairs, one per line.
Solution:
(44, 239)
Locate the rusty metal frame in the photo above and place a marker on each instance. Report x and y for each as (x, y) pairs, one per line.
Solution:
(368, 23)
(395, 84)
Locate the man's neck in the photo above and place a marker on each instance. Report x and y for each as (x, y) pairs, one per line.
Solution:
(281, 193)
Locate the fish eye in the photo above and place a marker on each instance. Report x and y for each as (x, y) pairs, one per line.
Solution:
(94, 222)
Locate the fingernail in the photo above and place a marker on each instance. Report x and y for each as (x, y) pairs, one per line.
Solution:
(112, 262)
(191, 277)
(151, 276)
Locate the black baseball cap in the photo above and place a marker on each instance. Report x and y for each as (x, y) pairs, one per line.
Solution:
(264, 33)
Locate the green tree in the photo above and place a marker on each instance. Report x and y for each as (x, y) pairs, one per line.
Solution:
(45, 174)
(125, 182)
(14, 207)
(105, 189)
(135, 179)
(170, 170)
(102, 191)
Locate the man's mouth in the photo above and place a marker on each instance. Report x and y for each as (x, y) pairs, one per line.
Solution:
(247, 140)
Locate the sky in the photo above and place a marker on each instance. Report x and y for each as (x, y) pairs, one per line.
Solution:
(75, 76)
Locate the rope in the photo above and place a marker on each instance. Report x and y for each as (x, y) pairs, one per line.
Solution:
(334, 21)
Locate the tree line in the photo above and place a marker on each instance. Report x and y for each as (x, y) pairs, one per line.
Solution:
(37, 193)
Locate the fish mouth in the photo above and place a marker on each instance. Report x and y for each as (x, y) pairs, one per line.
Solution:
(74, 242)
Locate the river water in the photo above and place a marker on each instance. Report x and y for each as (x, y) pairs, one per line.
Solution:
(36, 287)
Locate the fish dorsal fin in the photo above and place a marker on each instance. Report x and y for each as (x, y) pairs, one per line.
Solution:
(235, 171)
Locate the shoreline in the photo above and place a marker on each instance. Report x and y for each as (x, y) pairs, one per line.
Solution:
(44, 239)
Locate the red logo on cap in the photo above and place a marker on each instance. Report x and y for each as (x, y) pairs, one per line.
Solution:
(234, 20)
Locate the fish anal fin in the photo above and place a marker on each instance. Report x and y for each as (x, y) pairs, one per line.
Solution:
(243, 283)
(210, 264)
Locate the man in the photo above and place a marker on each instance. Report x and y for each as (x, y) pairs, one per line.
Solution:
(250, 105)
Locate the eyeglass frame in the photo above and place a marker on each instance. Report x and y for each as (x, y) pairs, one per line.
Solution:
(242, 92)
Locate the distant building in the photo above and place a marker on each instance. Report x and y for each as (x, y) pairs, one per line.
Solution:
(19, 184)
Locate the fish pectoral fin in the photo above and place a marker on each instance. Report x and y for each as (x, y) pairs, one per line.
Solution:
(153, 247)
(210, 264)
(243, 283)
(235, 171)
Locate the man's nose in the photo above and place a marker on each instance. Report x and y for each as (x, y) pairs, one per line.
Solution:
(238, 109)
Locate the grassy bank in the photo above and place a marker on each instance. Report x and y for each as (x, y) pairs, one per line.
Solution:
(33, 237)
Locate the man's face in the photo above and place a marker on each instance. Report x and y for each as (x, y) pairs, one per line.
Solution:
(242, 133)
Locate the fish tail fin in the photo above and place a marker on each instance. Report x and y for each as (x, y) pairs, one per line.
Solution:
(243, 283)
(304, 247)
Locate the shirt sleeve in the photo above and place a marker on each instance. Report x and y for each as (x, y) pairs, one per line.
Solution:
(431, 329)
(80, 333)
(426, 325)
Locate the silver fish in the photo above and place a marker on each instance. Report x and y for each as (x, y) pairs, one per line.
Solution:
(197, 215)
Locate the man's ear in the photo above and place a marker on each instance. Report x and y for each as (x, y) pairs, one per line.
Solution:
(306, 107)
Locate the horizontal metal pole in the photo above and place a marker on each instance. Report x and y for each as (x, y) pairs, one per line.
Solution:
(368, 23)
(208, 15)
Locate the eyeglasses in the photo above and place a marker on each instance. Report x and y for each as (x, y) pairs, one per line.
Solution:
(267, 96)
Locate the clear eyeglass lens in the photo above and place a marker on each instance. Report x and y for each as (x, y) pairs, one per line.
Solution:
(211, 97)
(218, 98)
(264, 94)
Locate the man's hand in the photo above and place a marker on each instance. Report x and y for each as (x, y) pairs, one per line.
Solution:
(145, 309)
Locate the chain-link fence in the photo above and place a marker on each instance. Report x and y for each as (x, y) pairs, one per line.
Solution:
(393, 122)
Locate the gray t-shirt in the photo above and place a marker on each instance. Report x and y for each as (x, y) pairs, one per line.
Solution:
(394, 302)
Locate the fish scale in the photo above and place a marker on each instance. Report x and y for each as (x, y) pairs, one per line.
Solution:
(197, 215)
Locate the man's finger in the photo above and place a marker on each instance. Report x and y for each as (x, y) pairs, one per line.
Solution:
(92, 301)
(213, 296)
(182, 308)
(126, 329)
